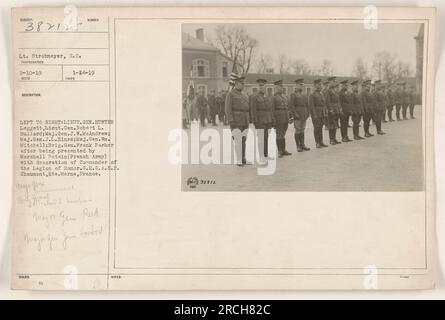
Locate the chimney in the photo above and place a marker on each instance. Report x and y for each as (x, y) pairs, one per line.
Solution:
(200, 34)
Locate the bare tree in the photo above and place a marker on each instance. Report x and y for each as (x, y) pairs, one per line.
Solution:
(301, 67)
(360, 69)
(237, 44)
(264, 63)
(283, 64)
(327, 68)
(383, 66)
(388, 68)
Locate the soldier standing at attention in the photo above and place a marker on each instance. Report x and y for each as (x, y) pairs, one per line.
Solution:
(345, 103)
(201, 104)
(333, 106)
(324, 92)
(184, 110)
(299, 108)
(262, 118)
(237, 112)
(412, 103)
(399, 99)
(219, 105)
(406, 101)
(385, 103)
(222, 114)
(318, 111)
(356, 110)
(368, 106)
(390, 106)
(281, 115)
(212, 107)
(379, 105)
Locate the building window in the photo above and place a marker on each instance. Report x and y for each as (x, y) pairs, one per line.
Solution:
(201, 68)
(225, 68)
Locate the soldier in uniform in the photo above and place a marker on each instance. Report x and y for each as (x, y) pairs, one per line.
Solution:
(406, 100)
(345, 103)
(222, 111)
(324, 92)
(379, 105)
(385, 103)
(299, 108)
(281, 116)
(184, 110)
(219, 105)
(318, 112)
(334, 110)
(399, 100)
(237, 112)
(262, 118)
(412, 99)
(201, 104)
(391, 101)
(356, 110)
(212, 107)
(368, 106)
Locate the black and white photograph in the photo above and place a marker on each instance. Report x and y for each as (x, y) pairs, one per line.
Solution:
(303, 106)
(224, 151)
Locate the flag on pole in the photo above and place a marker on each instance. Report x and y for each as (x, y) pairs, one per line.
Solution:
(232, 78)
(233, 75)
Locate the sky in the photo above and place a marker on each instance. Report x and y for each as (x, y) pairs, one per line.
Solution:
(342, 43)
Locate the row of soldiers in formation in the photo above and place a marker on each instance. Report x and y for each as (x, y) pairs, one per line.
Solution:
(331, 106)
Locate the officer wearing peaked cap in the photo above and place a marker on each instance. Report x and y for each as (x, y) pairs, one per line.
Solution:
(281, 115)
(412, 101)
(379, 106)
(237, 112)
(318, 112)
(262, 118)
(324, 92)
(345, 103)
(298, 105)
(334, 110)
(368, 106)
(356, 110)
(386, 102)
(391, 102)
(406, 100)
(399, 99)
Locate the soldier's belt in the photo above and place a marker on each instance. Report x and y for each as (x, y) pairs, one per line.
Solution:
(241, 111)
(281, 108)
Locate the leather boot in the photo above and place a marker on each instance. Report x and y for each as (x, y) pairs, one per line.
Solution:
(298, 142)
(280, 148)
(320, 138)
(303, 146)
(285, 152)
(334, 134)
(331, 139)
(317, 138)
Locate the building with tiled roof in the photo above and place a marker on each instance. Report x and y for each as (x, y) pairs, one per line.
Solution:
(204, 64)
